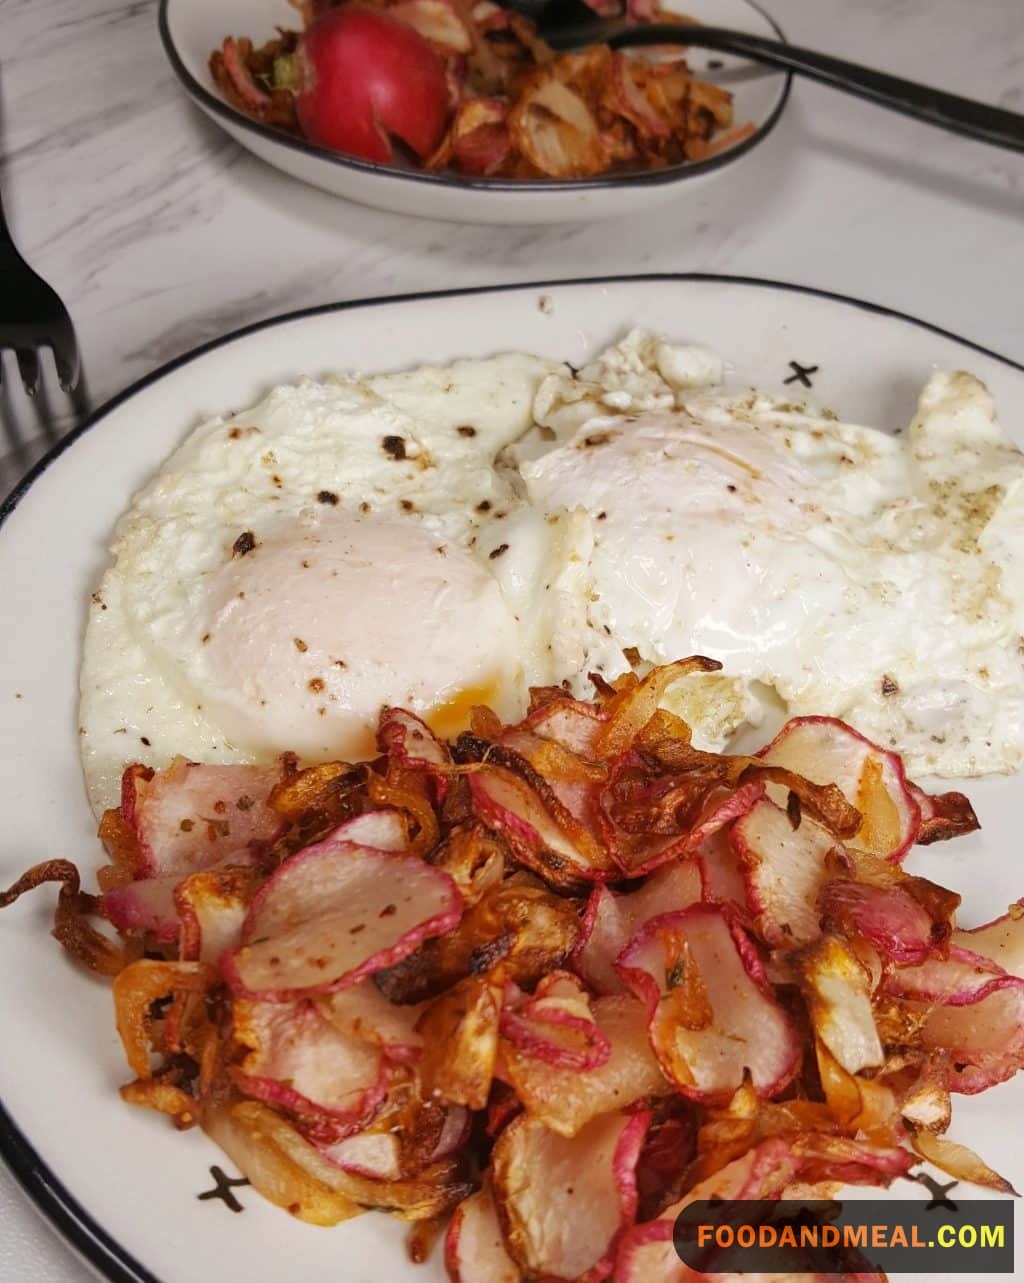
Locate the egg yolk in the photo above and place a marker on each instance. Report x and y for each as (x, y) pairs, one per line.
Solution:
(309, 634)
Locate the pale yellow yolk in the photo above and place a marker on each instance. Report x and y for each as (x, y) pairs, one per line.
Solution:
(448, 719)
(311, 633)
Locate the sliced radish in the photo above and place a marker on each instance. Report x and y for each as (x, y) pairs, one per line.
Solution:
(573, 782)
(713, 1018)
(837, 989)
(966, 1007)
(784, 871)
(557, 1025)
(474, 1248)
(144, 907)
(721, 881)
(1001, 940)
(958, 980)
(406, 738)
(190, 817)
(565, 1100)
(241, 77)
(379, 1152)
(564, 1203)
(479, 136)
(611, 920)
(384, 830)
(298, 1061)
(335, 913)
(570, 722)
(889, 917)
(512, 807)
(722, 810)
(827, 751)
(363, 1012)
(646, 1253)
(373, 1154)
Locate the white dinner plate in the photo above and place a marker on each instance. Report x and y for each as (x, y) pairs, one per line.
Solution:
(192, 29)
(120, 1182)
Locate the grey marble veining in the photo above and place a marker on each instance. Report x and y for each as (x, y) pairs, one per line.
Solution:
(160, 233)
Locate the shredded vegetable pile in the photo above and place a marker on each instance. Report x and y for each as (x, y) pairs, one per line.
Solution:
(552, 980)
(516, 109)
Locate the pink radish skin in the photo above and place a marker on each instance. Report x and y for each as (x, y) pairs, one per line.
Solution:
(366, 77)
(299, 1062)
(749, 1031)
(563, 1204)
(532, 1029)
(610, 921)
(334, 914)
(474, 1247)
(646, 1254)
(191, 816)
(827, 751)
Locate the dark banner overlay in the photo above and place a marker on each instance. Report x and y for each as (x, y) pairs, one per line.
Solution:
(830, 1237)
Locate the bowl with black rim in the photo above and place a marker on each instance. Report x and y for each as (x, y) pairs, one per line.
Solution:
(191, 29)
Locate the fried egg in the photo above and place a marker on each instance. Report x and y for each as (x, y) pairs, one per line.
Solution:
(296, 566)
(839, 569)
(452, 535)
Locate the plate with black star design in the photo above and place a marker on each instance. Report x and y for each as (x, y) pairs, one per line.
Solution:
(141, 1201)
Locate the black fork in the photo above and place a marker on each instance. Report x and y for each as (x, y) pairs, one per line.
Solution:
(32, 317)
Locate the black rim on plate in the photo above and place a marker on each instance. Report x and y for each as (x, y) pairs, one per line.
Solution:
(108, 1257)
(213, 103)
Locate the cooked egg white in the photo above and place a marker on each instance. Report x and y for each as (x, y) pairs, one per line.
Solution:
(872, 577)
(298, 565)
(449, 536)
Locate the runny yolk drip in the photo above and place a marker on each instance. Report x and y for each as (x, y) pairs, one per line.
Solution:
(449, 719)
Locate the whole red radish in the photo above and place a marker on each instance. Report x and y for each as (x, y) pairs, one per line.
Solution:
(363, 78)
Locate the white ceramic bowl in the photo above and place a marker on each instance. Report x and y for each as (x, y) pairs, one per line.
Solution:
(192, 29)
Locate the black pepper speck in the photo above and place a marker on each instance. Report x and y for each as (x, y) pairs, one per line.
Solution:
(394, 447)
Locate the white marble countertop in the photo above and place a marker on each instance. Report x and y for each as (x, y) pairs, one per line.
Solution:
(160, 233)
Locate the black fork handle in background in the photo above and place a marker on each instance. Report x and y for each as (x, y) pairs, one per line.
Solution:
(569, 24)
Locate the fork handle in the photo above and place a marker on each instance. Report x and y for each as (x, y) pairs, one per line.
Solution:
(964, 116)
(5, 232)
